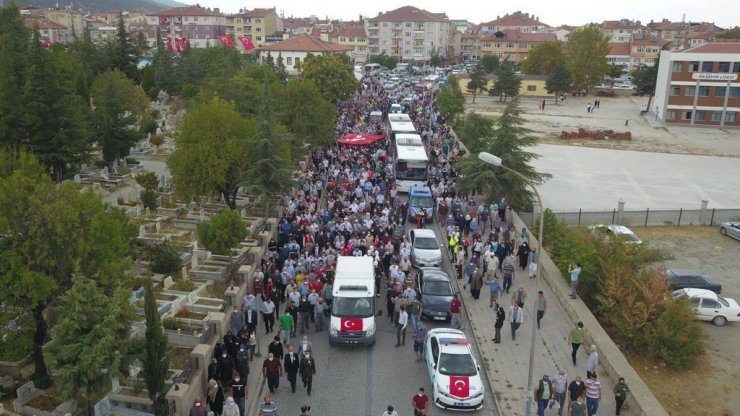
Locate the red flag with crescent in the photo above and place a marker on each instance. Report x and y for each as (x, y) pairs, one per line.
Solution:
(247, 43)
(350, 324)
(45, 44)
(226, 41)
(169, 43)
(460, 386)
(184, 43)
(178, 44)
(163, 20)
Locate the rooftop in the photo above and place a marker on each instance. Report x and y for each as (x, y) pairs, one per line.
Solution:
(716, 47)
(42, 24)
(305, 43)
(408, 14)
(516, 19)
(186, 11)
(620, 48)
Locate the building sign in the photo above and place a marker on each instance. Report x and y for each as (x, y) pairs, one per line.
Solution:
(711, 76)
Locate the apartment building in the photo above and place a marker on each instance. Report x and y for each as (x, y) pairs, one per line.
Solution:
(513, 46)
(133, 21)
(294, 50)
(49, 32)
(515, 22)
(621, 31)
(200, 26)
(409, 33)
(699, 86)
(645, 50)
(619, 54)
(257, 24)
(470, 49)
(73, 20)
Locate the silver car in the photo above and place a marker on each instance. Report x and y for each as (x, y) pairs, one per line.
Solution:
(730, 228)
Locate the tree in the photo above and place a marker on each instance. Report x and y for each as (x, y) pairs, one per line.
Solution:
(509, 141)
(543, 58)
(490, 62)
(222, 232)
(155, 360)
(450, 99)
(645, 82)
(435, 59)
(124, 52)
(149, 182)
(163, 258)
(558, 80)
(478, 80)
(164, 70)
(211, 151)
(614, 70)
(315, 124)
(332, 74)
(389, 62)
(475, 130)
(85, 348)
(586, 56)
(733, 33)
(507, 82)
(14, 42)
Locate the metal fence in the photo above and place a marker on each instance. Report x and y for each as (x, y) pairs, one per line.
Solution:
(643, 218)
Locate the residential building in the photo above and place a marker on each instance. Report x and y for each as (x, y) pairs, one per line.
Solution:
(133, 21)
(256, 24)
(298, 25)
(621, 31)
(562, 33)
(354, 36)
(73, 20)
(469, 47)
(295, 49)
(103, 34)
(645, 50)
(515, 22)
(200, 26)
(619, 54)
(513, 46)
(675, 32)
(699, 86)
(49, 31)
(409, 33)
(531, 85)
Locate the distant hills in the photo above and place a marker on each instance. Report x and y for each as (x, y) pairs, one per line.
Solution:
(101, 6)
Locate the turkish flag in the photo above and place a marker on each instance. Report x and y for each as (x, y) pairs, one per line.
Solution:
(169, 43)
(184, 43)
(45, 44)
(226, 41)
(350, 324)
(163, 21)
(247, 43)
(179, 46)
(460, 386)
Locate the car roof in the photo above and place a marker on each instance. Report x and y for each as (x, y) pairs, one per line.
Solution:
(690, 292)
(685, 272)
(436, 276)
(423, 232)
(451, 334)
(620, 229)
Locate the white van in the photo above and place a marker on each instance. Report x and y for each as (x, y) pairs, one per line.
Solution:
(376, 116)
(353, 308)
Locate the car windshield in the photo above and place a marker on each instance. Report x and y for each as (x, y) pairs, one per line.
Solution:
(457, 365)
(437, 288)
(355, 307)
(424, 243)
(723, 301)
(421, 201)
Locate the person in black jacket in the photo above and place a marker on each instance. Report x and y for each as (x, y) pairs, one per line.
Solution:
(226, 369)
(215, 397)
(276, 348)
(500, 318)
(213, 370)
(291, 366)
(308, 369)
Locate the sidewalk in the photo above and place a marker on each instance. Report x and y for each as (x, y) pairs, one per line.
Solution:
(507, 363)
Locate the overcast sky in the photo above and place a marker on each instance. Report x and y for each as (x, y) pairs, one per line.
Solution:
(724, 13)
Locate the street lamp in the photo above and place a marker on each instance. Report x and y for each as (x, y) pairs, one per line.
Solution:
(496, 161)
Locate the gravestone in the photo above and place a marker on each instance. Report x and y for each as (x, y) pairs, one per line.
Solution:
(167, 283)
(25, 392)
(115, 384)
(77, 178)
(184, 272)
(158, 225)
(142, 231)
(103, 407)
(192, 298)
(194, 261)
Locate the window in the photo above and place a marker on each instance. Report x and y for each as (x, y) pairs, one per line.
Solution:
(730, 116)
(531, 88)
(289, 60)
(298, 60)
(510, 44)
(703, 91)
(734, 92)
(717, 116)
(259, 38)
(720, 91)
(709, 304)
(724, 67)
(687, 115)
(675, 90)
(385, 24)
(707, 66)
(408, 24)
(670, 115)
(700, 114)
(693, 66)
(257, 21)
(690, 91)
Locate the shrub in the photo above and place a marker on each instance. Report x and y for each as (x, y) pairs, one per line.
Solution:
(148, 198)
(171, 323)
(164, 258)
(677, 336)
(222, 232)
(148, 180)
(100, 164)
(156, 140)
(132, 161)
(184, 285)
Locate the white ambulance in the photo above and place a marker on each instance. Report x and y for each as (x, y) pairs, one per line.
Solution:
(353, 307)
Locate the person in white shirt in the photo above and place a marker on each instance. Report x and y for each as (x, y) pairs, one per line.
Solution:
(390, 412)
(516, 316)
(403, 320)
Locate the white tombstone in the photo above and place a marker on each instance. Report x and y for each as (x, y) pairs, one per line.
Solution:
(184, 272)
(25, 391)
(142, 231)
(78, 178)
(195, 246)
(146, 211)
(202, 215)
(158, 224)
(139, 209)
(194, 261)
(243, 212)
(103, 407)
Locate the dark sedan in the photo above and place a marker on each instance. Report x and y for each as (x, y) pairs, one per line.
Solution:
(689, 279)
(435, 290)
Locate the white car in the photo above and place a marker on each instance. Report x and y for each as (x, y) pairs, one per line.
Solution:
(620, 230)
(710, 306)
(425, 248)
(453, 371)
(730, 228)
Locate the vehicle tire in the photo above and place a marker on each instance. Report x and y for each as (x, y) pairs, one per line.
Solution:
(719, 320)
(723, 231)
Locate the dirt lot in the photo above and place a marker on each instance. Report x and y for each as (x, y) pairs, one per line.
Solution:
(711, 387)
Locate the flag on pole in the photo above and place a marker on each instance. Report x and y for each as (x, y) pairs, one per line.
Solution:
(177, 44)
(226, 41)
(246, 43)
(184, 43)
(169, 43)
(45, 44)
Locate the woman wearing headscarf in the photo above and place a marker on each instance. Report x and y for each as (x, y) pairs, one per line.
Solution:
(215, 398)
(231, 409)
(198, 408)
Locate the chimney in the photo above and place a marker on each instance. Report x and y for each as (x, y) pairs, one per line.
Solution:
(216, 10)
(683, 19)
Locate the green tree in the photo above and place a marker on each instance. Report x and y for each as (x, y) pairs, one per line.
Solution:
(558, 80)
(450, 99)
(389, 62)
(211, 151)
(165, 78)
(163, 258)
(507, 82)
(150, 183)
(222, 232)
(645, 82)
(614, 70)
(478, 81)
(155, 360)
(543, 58)
(435, 59)
(332, 74)
(677, 338)
(490, 62)
(14, 43)
(475, 130)
(86, 345)
(586, 56)
(124, 52)
(315, 124)
(733, 33)
(509, 141)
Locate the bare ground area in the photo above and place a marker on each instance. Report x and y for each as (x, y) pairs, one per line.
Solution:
(648, 135)
(711, 387)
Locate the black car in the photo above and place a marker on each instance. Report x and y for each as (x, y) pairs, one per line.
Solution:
(435, 291)
(689, 279)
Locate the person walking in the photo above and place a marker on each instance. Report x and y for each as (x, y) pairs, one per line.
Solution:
(541, 307)
(476, 283)
(420, 333)
(239, 392)
(231, 408)
(276, 348)
(516, 316)
(543, 393)
(577, 407)
(575, 273)
(198, 409)
(268, 315)
(286, 327)
(403, 320)
(455, 308)
(215, 398)
(575, 338)
(593, 394)
(500, 318)
(272, 370)
(389, 411)
(507, 270)
(620, 394)
(318, 312)
(533, 263)
(304, 346)
(268, 407)
(592, 363)
(576, 388)
(305, 309)
(495, 287)
(291, 364)
(307, 369)
(420, 403)
(560, 387)
(415, 310)
(520, 296)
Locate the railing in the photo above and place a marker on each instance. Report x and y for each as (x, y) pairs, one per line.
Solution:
(644, 218)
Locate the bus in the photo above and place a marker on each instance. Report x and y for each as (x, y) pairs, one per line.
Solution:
(400, 126)
(371, 69)
(411, 166)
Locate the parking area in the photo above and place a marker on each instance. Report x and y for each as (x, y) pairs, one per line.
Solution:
(705, 250)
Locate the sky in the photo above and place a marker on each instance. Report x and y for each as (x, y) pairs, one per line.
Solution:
(573, 12)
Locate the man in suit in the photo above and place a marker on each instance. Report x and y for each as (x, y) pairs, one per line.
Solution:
(250, 319)
(308, 369)
(305, 345)
(291, 367)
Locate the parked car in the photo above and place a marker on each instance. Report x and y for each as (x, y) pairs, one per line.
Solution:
(619, 230)
(730, 228)
(435, 290)
(710, 306)
(425, 248)
(453, 370)
(689, 279)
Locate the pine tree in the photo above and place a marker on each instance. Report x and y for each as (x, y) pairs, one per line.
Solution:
(14, 41)
(156, 361)
(558, 80)
(507, 82)
(478, 80)
(124, 53)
